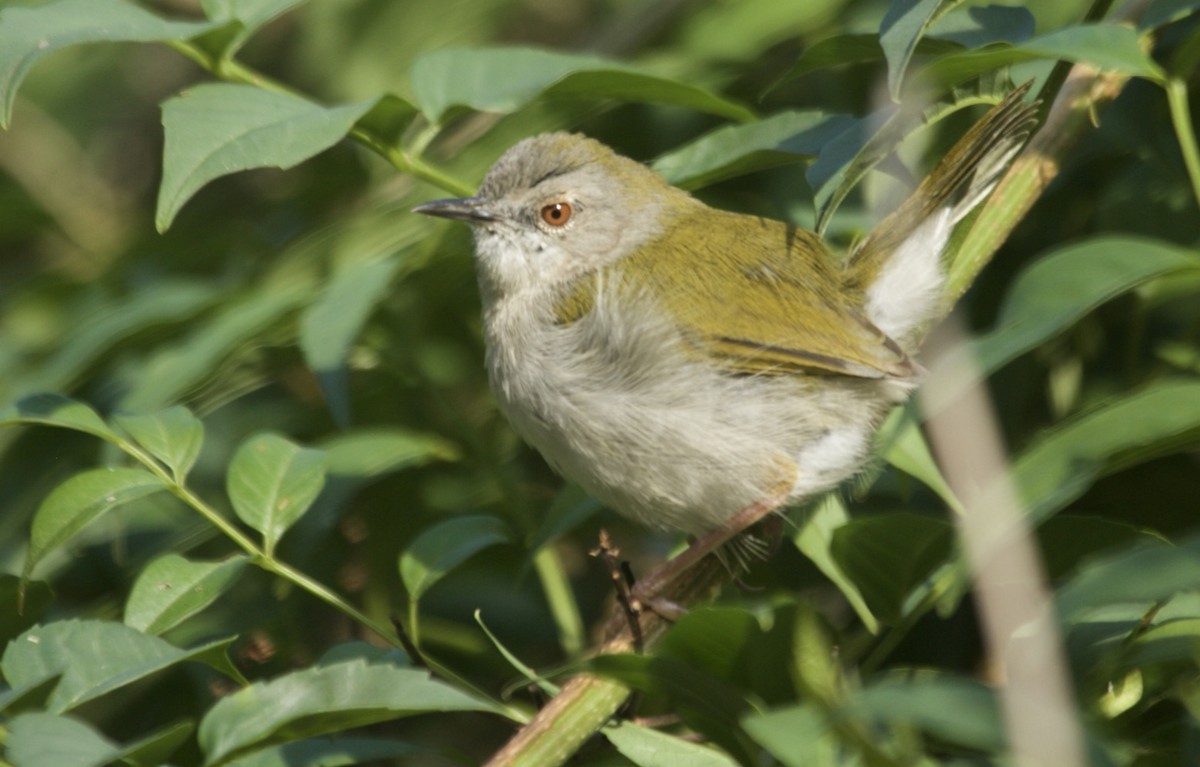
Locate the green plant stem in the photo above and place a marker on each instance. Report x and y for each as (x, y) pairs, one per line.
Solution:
(233, 71)
(1181, 119)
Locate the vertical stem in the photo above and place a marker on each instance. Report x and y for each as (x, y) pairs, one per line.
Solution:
(1181, 119)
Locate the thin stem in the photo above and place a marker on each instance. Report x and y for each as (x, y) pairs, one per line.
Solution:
(1181, 119)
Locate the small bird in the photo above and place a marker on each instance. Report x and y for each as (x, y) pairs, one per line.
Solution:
(696, 369)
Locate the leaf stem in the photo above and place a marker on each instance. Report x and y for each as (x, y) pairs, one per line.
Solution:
(1181, 119)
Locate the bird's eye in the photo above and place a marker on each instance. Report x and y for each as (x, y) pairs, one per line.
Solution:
(557, 214)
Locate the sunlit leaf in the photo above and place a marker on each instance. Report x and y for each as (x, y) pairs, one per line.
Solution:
(320, 700)
(173, 436)
(272, 482)
(216, 129)
(172, 589)
(446, 545)
(81, 500)
(27, 34)
(94, 658)
(505, 79)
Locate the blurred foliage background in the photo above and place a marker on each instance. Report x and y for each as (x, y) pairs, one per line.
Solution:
(311, 303)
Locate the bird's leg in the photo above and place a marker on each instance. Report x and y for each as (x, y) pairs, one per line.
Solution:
(651, 590)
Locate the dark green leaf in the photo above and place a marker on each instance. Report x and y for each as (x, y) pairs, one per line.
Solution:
(1161, 12)
(153, 749)
(1157, 420)
(172, 589)
(446, 545)
(56, 410)
(902, 28)
(506, 79)
(1105, 46)
(216, 129)
(736, 149)
(21, 604)
(1038, 307)
(889, 557)
(570, 508)
(94, 658)
(842, 50)
(814, 536)
(389, 118)
(272, 482)
(329, 752)
(27, 697)
(330, 325)
(320, 700)
(976, 26)
(650, 748)
(81, 500)
(952, 709)
(172, 372)
(173, 436)
(27, 34)
(1141, 575)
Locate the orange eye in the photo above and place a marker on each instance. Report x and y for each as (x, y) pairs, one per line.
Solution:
(557, 213)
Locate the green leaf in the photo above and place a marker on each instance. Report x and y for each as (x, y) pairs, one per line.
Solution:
(389, 118)
(814, 536)
(320, 700)
(172, 372)
(30, 696)
(798, 736)
(27, 34)
(329, 752)
(1143, 574)
(650, 748)
(1157, 420)
(330, 325)
(94, 658)
(902, 28)
(22, 604)
(1161, 12)
(903, 445)
(1037, 307)
(506, 79)
(1105, 46)
(81, 500)
(953, 710)
(367, 453)
(444, 546)
(569, 509)
(216, 129)
(173, 436)
(976, 26)
(57, 410)
(889, 557)
(251, 13)
(95, 333)
(272, 482)
(49, 740)
(172, 589)
(737, 149)
(843, 50)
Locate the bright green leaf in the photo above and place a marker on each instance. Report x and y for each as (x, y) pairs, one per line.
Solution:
(814, 535)
(1106, 46)
(81, 500)
(736, 149)
(650, 748)
(320, 700)
(506, 79)
(94, 658)
(446, 545)
(330, 752)
(902, 28)
(890, 556)
(27, 34)
(173, 436)
(172, 589)
(272, 482)
(366, 453)
(56, 410)
(216, 129)
(49, 740)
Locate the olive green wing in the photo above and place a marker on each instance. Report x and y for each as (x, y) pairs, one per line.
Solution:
(756, 297)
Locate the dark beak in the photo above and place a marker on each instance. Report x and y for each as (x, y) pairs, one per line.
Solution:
(473, 210)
